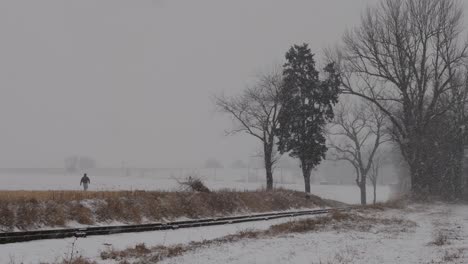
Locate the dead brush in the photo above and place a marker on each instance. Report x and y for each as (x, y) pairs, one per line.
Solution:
(139, 250)
(54, 214)
(312, 224)
(159, 253)
(397, 203)
(245, 234)
(299, 226)
(340, 216)
(27, 215)
(452, 255)
(113, 254)
(194, 184)
(440, 239)
(7, 216)
(82, 214)
(124, 210)
(79, 260)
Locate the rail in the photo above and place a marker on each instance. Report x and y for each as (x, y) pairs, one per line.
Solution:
(24, 236)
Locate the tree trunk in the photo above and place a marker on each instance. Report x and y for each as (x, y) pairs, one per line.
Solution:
(307, 183)
(362, 187)
(268, 150)
(416, 172)
(306, 173)
(269, 178)
(458, 170)
(375, 190)
(363, 194)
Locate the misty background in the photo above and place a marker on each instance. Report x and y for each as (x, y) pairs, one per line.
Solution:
(131, 81)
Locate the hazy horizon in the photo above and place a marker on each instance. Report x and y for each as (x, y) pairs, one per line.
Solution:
(131, 81)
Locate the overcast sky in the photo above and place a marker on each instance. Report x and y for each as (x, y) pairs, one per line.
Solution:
(132, 80)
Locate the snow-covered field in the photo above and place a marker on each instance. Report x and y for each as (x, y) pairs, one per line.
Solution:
(414, 246)
(55, 250)
(342, 193)
(380, 245)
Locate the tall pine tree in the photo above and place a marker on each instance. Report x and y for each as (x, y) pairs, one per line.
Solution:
(307, 105)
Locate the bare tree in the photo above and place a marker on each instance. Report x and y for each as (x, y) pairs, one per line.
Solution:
(255, 112)
(374, 172)
(406, 58)
(358, 131)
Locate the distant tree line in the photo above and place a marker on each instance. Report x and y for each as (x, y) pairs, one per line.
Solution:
(76, 163)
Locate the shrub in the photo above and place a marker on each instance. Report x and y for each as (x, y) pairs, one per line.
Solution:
(27, 215)
(81, 214)
(55, 214)
(7, 216)
(194, 184)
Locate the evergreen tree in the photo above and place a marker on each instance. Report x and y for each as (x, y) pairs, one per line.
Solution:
(307, 105)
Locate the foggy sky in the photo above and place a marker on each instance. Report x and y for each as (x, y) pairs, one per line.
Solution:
(132, 80)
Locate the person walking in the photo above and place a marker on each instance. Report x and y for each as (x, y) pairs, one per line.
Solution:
(85, 181)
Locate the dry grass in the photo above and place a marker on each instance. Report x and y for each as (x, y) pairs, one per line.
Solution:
(194, 184)
(346, 256)
(61, 196)
(79, 260)
(451, 256)
(27, 210)
(344, 221)
(440, 239)
(397, 203)
(155, 254)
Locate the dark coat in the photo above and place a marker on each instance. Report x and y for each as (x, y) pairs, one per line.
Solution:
(85, 179)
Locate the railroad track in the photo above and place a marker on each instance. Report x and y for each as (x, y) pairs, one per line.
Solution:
(15, 237)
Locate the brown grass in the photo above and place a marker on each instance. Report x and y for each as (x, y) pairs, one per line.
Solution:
(440, 239)
(60, 196)
(313, 224)
(338, 220)
(397, 203)
(7, 215)
(452, 255)
(79, 260)
(27, 210)
(158, 253)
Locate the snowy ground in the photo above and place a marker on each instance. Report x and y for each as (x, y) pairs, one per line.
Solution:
(381, 245)
(342, 193)
(54, 250)
(413, 246)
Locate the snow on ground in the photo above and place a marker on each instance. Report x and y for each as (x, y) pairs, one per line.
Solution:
(55, 249)
(342, 193)
(378, 246)
(413, 246)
